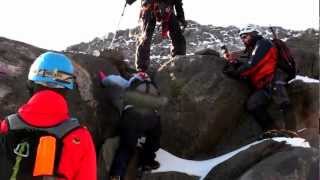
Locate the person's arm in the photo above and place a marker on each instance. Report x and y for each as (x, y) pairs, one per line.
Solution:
(232, 57)
(88, 164)
(4, 127)
(130, 1)
(78, 156)
(261, 49)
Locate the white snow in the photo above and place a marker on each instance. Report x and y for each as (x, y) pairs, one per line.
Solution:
(304, 79)
(96, 53)
(170, 162)
(128, 42)
(210, 35)
(295, 142)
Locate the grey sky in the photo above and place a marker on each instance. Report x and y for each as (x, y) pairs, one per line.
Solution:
(56, 24)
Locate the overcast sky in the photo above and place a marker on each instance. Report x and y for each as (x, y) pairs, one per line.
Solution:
(56, 24)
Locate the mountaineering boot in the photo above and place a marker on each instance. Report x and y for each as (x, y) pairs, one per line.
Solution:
(150, 165)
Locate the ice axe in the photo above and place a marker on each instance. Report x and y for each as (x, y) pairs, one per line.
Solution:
(274, 35)
(120, 19)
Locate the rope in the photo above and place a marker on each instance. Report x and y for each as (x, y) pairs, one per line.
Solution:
(20, 149)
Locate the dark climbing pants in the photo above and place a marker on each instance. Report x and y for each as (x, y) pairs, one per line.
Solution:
(259, 101)
(144, 45)
(135, 124)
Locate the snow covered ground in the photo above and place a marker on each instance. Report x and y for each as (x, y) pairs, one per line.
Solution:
(305, 79)
(169, 162)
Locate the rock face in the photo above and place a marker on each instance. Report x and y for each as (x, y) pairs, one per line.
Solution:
(307, 59)
(169, 175)
(205, 115)
(206, 108)
(200, 97)
(269, 160)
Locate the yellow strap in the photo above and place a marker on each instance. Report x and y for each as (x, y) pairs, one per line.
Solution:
(21, 149)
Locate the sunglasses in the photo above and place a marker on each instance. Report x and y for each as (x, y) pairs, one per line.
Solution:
(244, 36)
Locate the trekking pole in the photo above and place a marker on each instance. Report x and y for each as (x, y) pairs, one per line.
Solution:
(115, 34)
(224, 49)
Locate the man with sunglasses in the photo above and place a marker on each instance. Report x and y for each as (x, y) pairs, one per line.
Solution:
(258, 64)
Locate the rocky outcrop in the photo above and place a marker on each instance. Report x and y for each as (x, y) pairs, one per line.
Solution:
(205, 116)
(305, 49)
(168, 175)
(206, 108)
(269, 160)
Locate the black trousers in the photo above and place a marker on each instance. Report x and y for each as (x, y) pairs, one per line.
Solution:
(259, 101)
(144, 44)
(134, 124)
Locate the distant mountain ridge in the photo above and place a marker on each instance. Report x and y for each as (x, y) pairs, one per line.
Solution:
(197, 36)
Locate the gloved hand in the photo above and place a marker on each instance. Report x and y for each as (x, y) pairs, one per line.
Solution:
(101, 76)
(4, 127)
(130, 1)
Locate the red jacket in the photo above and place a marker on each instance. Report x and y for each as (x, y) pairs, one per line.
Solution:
(261, 65)
(78, 157)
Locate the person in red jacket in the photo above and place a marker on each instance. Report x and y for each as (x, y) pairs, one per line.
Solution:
(258, 64)
(74, 156)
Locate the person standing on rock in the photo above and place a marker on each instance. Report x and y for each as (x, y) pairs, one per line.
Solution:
(171, 15)
(139, 120)
(42, 140)
(258, 64)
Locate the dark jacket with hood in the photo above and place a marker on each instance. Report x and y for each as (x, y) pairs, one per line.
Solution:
(259, 63)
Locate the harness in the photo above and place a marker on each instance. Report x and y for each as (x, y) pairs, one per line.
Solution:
(47, 150)
(162, 12)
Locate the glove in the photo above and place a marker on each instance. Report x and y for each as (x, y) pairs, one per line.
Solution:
(4, 127)
(101, 75)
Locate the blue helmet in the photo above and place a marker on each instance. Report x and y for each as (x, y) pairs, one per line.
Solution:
(53, 70)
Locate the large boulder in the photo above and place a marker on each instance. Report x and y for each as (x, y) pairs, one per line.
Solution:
(204, 104)
(205, 115)
(305, 50)
(269, 160)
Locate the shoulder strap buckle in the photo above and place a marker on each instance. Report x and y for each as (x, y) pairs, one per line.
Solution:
(22, 149)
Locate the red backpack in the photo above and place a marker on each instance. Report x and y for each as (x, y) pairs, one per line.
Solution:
(285, 59)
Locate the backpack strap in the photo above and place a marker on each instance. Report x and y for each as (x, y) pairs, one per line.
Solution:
(148, 84)
(16, 123)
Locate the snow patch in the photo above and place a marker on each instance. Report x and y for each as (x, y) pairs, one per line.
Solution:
(304, 79)
(295, 142)
(170, 162)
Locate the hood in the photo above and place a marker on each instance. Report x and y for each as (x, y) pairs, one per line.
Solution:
(45, 109)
